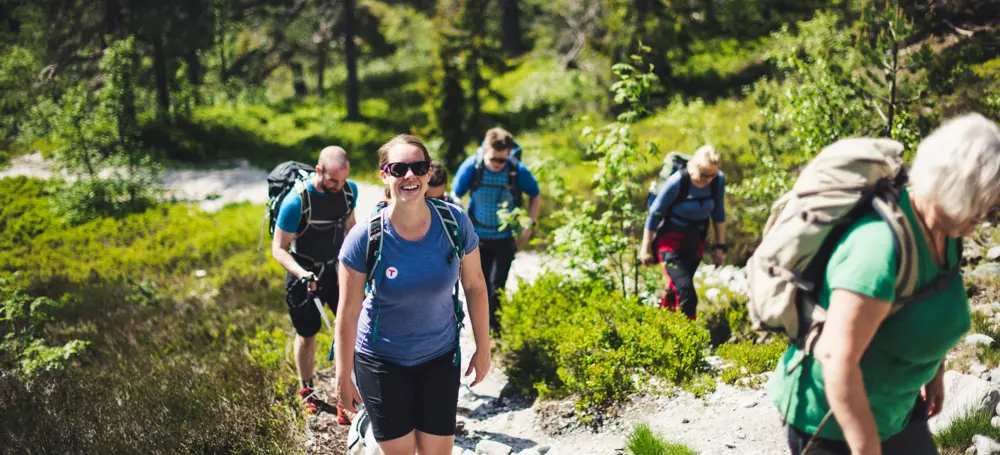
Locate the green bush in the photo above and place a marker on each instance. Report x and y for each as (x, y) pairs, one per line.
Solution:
(642, 441)
(751, 359)
(566, 337)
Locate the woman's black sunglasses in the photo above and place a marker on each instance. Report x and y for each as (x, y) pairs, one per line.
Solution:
(398, 169)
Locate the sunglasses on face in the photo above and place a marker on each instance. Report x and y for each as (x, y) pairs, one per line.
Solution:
(498, 160)
(398, 169)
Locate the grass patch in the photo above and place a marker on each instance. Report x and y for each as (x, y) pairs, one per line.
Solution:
(642, 441)
(958, 436)
(173, 363)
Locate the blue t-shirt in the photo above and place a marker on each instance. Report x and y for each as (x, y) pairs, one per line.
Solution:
(413, 302)
(691, 208)
(487, 200)
(291, 206)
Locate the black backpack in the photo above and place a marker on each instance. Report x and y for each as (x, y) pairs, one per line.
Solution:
(286, 177)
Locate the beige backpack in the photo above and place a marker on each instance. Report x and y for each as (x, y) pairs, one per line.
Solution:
(846, 180)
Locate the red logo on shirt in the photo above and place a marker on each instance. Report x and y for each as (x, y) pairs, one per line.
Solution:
(391, 273)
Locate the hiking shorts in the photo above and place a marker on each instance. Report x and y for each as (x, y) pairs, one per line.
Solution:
(402, 399)
(302, 310)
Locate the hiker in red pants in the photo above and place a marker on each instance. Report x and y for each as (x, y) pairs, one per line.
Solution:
(677, 225)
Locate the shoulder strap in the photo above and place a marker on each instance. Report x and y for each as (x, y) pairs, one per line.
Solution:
(477, 171)
(373, 252)
(682, 193)
(451, 227)
(301, 187)
(512, 183)
(349, 200)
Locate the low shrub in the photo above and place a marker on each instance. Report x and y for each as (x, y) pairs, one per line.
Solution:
(566, 337)
(749, 359)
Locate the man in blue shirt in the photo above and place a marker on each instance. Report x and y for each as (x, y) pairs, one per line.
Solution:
(496, 180)
(308, 252)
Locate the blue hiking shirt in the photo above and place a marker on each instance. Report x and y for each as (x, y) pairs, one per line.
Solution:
(486, 201)
(690, 208)
(413, 303)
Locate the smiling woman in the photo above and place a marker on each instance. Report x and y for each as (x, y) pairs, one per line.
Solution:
(399, 316)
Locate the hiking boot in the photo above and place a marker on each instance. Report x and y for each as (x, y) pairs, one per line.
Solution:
(313, 404)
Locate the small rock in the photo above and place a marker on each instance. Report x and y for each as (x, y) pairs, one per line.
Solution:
(995, 375)
(543, 449)
(985, 446)
(685, 421)
(715, 361)
(486, 447)
(971, 450)
(987, 269)
(966, 395)
(995, 306)
(978, 369)
(200, 273)
(995, 421)
(529, 452)
(977, 338)
(993, 254)
(731, 446)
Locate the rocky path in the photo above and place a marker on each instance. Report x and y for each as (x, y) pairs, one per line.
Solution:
(730, 421)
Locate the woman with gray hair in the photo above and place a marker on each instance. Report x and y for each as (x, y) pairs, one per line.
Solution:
(873, 379)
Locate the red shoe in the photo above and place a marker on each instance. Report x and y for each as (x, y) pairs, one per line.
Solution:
(308, 396)
(342, 416)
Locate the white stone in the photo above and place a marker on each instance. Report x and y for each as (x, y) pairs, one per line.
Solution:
(971, 450)
(543, 449)
(985, 446)
(977, 338)
(993, 254)
(987, 269)
(978, 368)
(966, 395)
(529, 452)
(486, 447)
(200, 273)
(995, 421)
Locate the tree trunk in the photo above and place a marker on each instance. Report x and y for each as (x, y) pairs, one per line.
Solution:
(298, 83)
(193, 67)
(162, 80)
(324, 47)
(350, 55)
(512, 28)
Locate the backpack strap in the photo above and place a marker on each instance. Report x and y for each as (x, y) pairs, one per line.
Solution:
(512, 181)
(349, 200)
(373, 258)
(301, 188)
(454, 234)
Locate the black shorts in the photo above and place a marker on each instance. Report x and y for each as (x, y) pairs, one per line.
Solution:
(402, 399)
(915, 439)
(305, 316)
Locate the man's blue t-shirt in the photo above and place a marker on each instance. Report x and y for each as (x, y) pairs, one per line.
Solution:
(697, 206)
(291, 206)
(488, 199)
(413, 302)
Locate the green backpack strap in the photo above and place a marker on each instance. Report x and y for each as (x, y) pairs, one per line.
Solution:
(454, 234)
(373, 258)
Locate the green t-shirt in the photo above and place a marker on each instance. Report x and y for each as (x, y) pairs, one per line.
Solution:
(906, 350)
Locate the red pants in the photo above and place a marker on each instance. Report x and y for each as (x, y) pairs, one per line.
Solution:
(680, 253)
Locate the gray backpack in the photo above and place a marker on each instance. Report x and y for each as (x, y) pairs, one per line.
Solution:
(845, 181)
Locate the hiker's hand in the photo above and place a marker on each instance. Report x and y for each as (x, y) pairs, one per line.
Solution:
(933, 393)
(718, 257)
(310, 279)
(347, 394)
(523, 239)
(481, 363)
(646, 258)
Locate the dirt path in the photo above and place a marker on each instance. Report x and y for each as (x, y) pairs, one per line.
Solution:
(730, 421)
